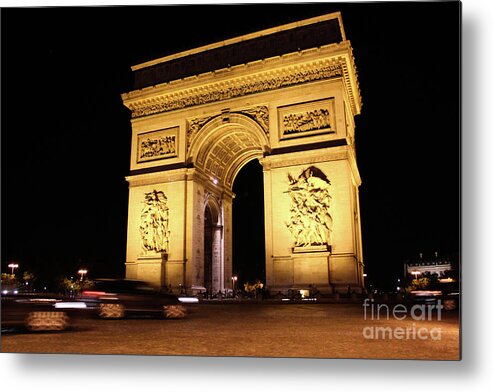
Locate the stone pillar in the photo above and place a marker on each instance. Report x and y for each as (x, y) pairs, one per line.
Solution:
(217, 264)
(228, 240)
(269, 251)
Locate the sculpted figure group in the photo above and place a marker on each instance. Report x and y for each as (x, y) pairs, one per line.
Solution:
(311, 222)
(157, 147)
(154, 227)
(305, 122)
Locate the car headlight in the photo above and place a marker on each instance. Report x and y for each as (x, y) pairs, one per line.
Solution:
(70, 305)
(188, 300)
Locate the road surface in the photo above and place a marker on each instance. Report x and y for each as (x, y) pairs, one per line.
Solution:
(262, 330)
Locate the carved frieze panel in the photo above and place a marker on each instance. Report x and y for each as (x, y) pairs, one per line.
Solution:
(310, 221)
(237, 88)
(308, 119)
(161, 144)
(154, 224)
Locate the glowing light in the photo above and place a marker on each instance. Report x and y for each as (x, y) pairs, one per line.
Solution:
(419, 293)
(82, 272)
(70, 305)
(13, 266)
(4, 292)
(188, 300)
(215, 181)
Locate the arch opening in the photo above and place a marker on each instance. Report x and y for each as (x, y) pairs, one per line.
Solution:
(208, 246)
(248, 224)
(213, 248)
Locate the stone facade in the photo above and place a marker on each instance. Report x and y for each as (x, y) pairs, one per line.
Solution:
(295, 114)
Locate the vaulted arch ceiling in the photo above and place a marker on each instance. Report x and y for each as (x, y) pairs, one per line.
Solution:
(221, 148)
(221, 156)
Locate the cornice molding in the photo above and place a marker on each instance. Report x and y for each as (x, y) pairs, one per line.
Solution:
(305, 157)
(238, 87)
(157, 177)
(320, 64)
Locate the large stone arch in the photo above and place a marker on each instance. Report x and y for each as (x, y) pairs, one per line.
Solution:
(285, 96)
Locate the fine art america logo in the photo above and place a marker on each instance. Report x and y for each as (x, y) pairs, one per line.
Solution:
(418, 313)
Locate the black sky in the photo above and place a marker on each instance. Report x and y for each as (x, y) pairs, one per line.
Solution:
(66, 134)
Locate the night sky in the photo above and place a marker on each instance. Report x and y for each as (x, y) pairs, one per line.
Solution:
(66, 134)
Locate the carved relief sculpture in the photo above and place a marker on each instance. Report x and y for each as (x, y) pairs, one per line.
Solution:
(154, 223)
(260, 114)
(307, 119)
(305, 122)
(194, 126)
(151, 148)
(311, 222)
(157, 145)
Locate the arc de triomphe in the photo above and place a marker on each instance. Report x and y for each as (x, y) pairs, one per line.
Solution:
(286, 96)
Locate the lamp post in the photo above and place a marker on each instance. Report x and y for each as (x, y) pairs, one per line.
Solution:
(82, 272)
(13, 266)
(234, 279)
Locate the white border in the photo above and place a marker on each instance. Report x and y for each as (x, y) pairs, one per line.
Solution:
(129, 373)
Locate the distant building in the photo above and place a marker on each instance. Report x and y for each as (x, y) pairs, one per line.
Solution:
(428, 266)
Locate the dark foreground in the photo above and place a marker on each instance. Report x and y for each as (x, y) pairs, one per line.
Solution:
(294, 330)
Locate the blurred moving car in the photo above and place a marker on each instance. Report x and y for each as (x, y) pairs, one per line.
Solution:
(449, 300)
(39, 313)
(118, 298)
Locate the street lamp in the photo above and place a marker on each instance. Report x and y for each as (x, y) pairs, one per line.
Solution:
(82, 272)
(13, 266)
(234, 279)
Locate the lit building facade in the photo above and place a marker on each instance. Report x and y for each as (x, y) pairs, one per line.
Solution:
(422, 267)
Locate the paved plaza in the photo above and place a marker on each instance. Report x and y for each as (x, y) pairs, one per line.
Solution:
(261, 330)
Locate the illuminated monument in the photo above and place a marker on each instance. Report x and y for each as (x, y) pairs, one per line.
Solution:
(286, 96)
